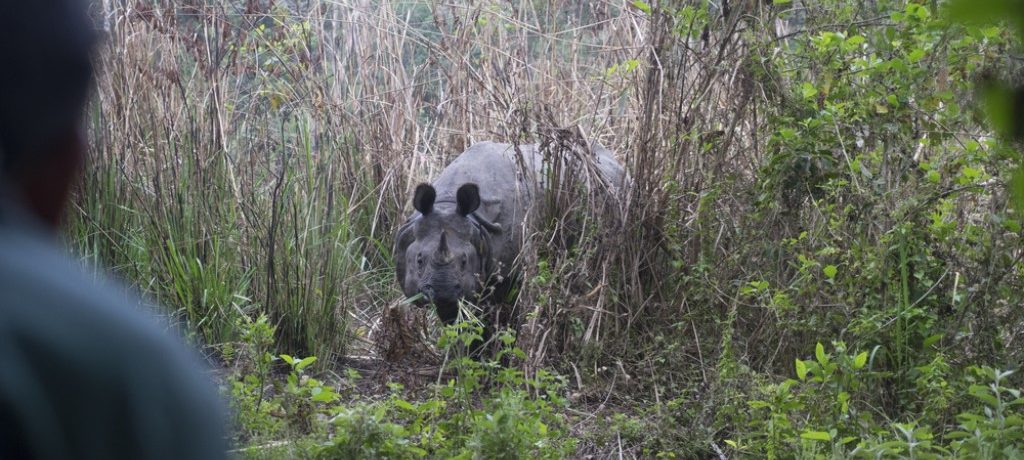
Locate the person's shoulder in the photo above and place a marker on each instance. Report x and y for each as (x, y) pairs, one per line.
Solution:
(67, 326)
(52, 304)
(42, 289)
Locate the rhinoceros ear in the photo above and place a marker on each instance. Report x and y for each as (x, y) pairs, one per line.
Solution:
(424, 198)
(467, 198)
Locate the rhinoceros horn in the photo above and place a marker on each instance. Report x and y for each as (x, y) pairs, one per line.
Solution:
(444, 255)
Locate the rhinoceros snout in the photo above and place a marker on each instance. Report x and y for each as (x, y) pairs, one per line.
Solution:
(436, 295)
(428, 292)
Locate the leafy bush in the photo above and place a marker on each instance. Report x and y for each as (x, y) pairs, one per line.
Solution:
(827, 411)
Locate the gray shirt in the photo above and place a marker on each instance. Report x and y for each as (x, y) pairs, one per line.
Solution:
(84, 372)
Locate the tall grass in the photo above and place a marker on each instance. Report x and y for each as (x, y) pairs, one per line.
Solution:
(219, 190)
(257, 159)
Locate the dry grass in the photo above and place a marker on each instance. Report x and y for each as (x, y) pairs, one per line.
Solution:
(257, 158)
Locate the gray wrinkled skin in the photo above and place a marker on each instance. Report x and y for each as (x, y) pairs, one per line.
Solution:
(463, 241)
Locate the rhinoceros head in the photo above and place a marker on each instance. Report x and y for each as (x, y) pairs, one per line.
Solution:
(444, 252)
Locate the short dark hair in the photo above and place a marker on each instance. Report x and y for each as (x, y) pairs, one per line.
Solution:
(45, 57)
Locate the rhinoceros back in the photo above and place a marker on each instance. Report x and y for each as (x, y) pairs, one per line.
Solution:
(509, 177)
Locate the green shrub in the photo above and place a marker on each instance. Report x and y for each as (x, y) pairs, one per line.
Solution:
(484, 410)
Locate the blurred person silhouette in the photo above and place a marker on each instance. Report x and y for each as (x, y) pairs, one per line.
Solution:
(84, 371)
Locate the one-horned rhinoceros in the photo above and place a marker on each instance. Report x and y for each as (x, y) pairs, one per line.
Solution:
(465, 238)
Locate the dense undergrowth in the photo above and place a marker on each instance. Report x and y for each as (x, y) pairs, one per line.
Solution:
(816, 256)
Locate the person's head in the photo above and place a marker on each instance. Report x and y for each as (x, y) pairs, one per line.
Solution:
(45, 50)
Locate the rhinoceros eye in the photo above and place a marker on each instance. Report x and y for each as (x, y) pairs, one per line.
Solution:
(463, 261)
(419, 260)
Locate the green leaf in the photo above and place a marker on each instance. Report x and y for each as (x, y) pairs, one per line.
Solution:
(642, 6)
(305, 363)
(404, 405)
(830, 271)
(288, 359)
(781, 2)
(898, 65)
(958, 435)
(992, 32)
(844, 400)
(819, 353)
(860, 360)
(969, 175)
(808, 90)
(801, 369)
(816, 435)
(931, 340)
(985, 397)
(916, 55)
(326, 395)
